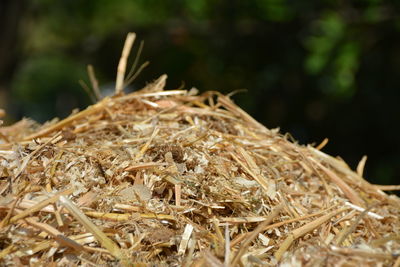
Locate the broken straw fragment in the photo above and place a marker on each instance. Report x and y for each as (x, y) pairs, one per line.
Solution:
(185, 239)
(97, 233)
(369, 213)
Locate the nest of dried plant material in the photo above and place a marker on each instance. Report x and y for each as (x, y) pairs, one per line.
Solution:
(172, 178)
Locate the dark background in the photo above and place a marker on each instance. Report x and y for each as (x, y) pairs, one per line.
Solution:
(314, 68)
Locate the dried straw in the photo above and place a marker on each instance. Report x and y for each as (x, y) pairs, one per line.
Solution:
(173, 178)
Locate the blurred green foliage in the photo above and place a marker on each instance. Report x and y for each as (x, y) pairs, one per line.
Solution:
(315, 68)
(41, 80)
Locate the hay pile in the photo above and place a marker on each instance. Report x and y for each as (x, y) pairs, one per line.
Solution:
(172, 178)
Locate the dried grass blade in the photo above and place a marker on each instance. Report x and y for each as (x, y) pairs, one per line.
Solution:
(251, 168)
(33, 154)
(227, 255)
(145, 165)
(94, 82)
(40, 205)
(8, 250)
(146, 146)
(361, 165)
(141, 68)
(232, 107)
(353, 226)
(243, 219)
(154, 94)
(275, 225)
(58, 236)
(118, 217)
(185, 239)
(69, 120)
(89, 92)
(97, 233)
(157, 216)
(135, 62)
(218, 233)
(299, 232)
(347, 190)
(6, 219)
(387, 187)
(189, 257)
(362, 253)
(275, 212)
(119, 85)
(322, 144)
(369, 213)
(178, 195)
(341, 167)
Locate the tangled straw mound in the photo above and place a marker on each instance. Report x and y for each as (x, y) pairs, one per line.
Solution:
(172, 178)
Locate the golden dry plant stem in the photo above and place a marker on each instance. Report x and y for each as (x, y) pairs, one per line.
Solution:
(347, 190)
(97, 233)
(119, 85)
(353, 226)
(362, 253)
(94, 82)
(275, 225)
(55, 164)
(299, 232)
(145, 165)
(57, 235)
(6, 219)
(40, 205)
(341, 167)
(361, 165)
(34, 153)
(353, 178)
(275, 212)
(218, 232)
(232, 107)
(67, 121)
(118, 217)
(227, 255)
(109, 216)
(146, 146)
(251, 167)
(322, 144)
(387, 187)
(8, 250)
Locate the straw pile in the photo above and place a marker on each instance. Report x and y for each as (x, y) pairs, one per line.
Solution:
(172, 178)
